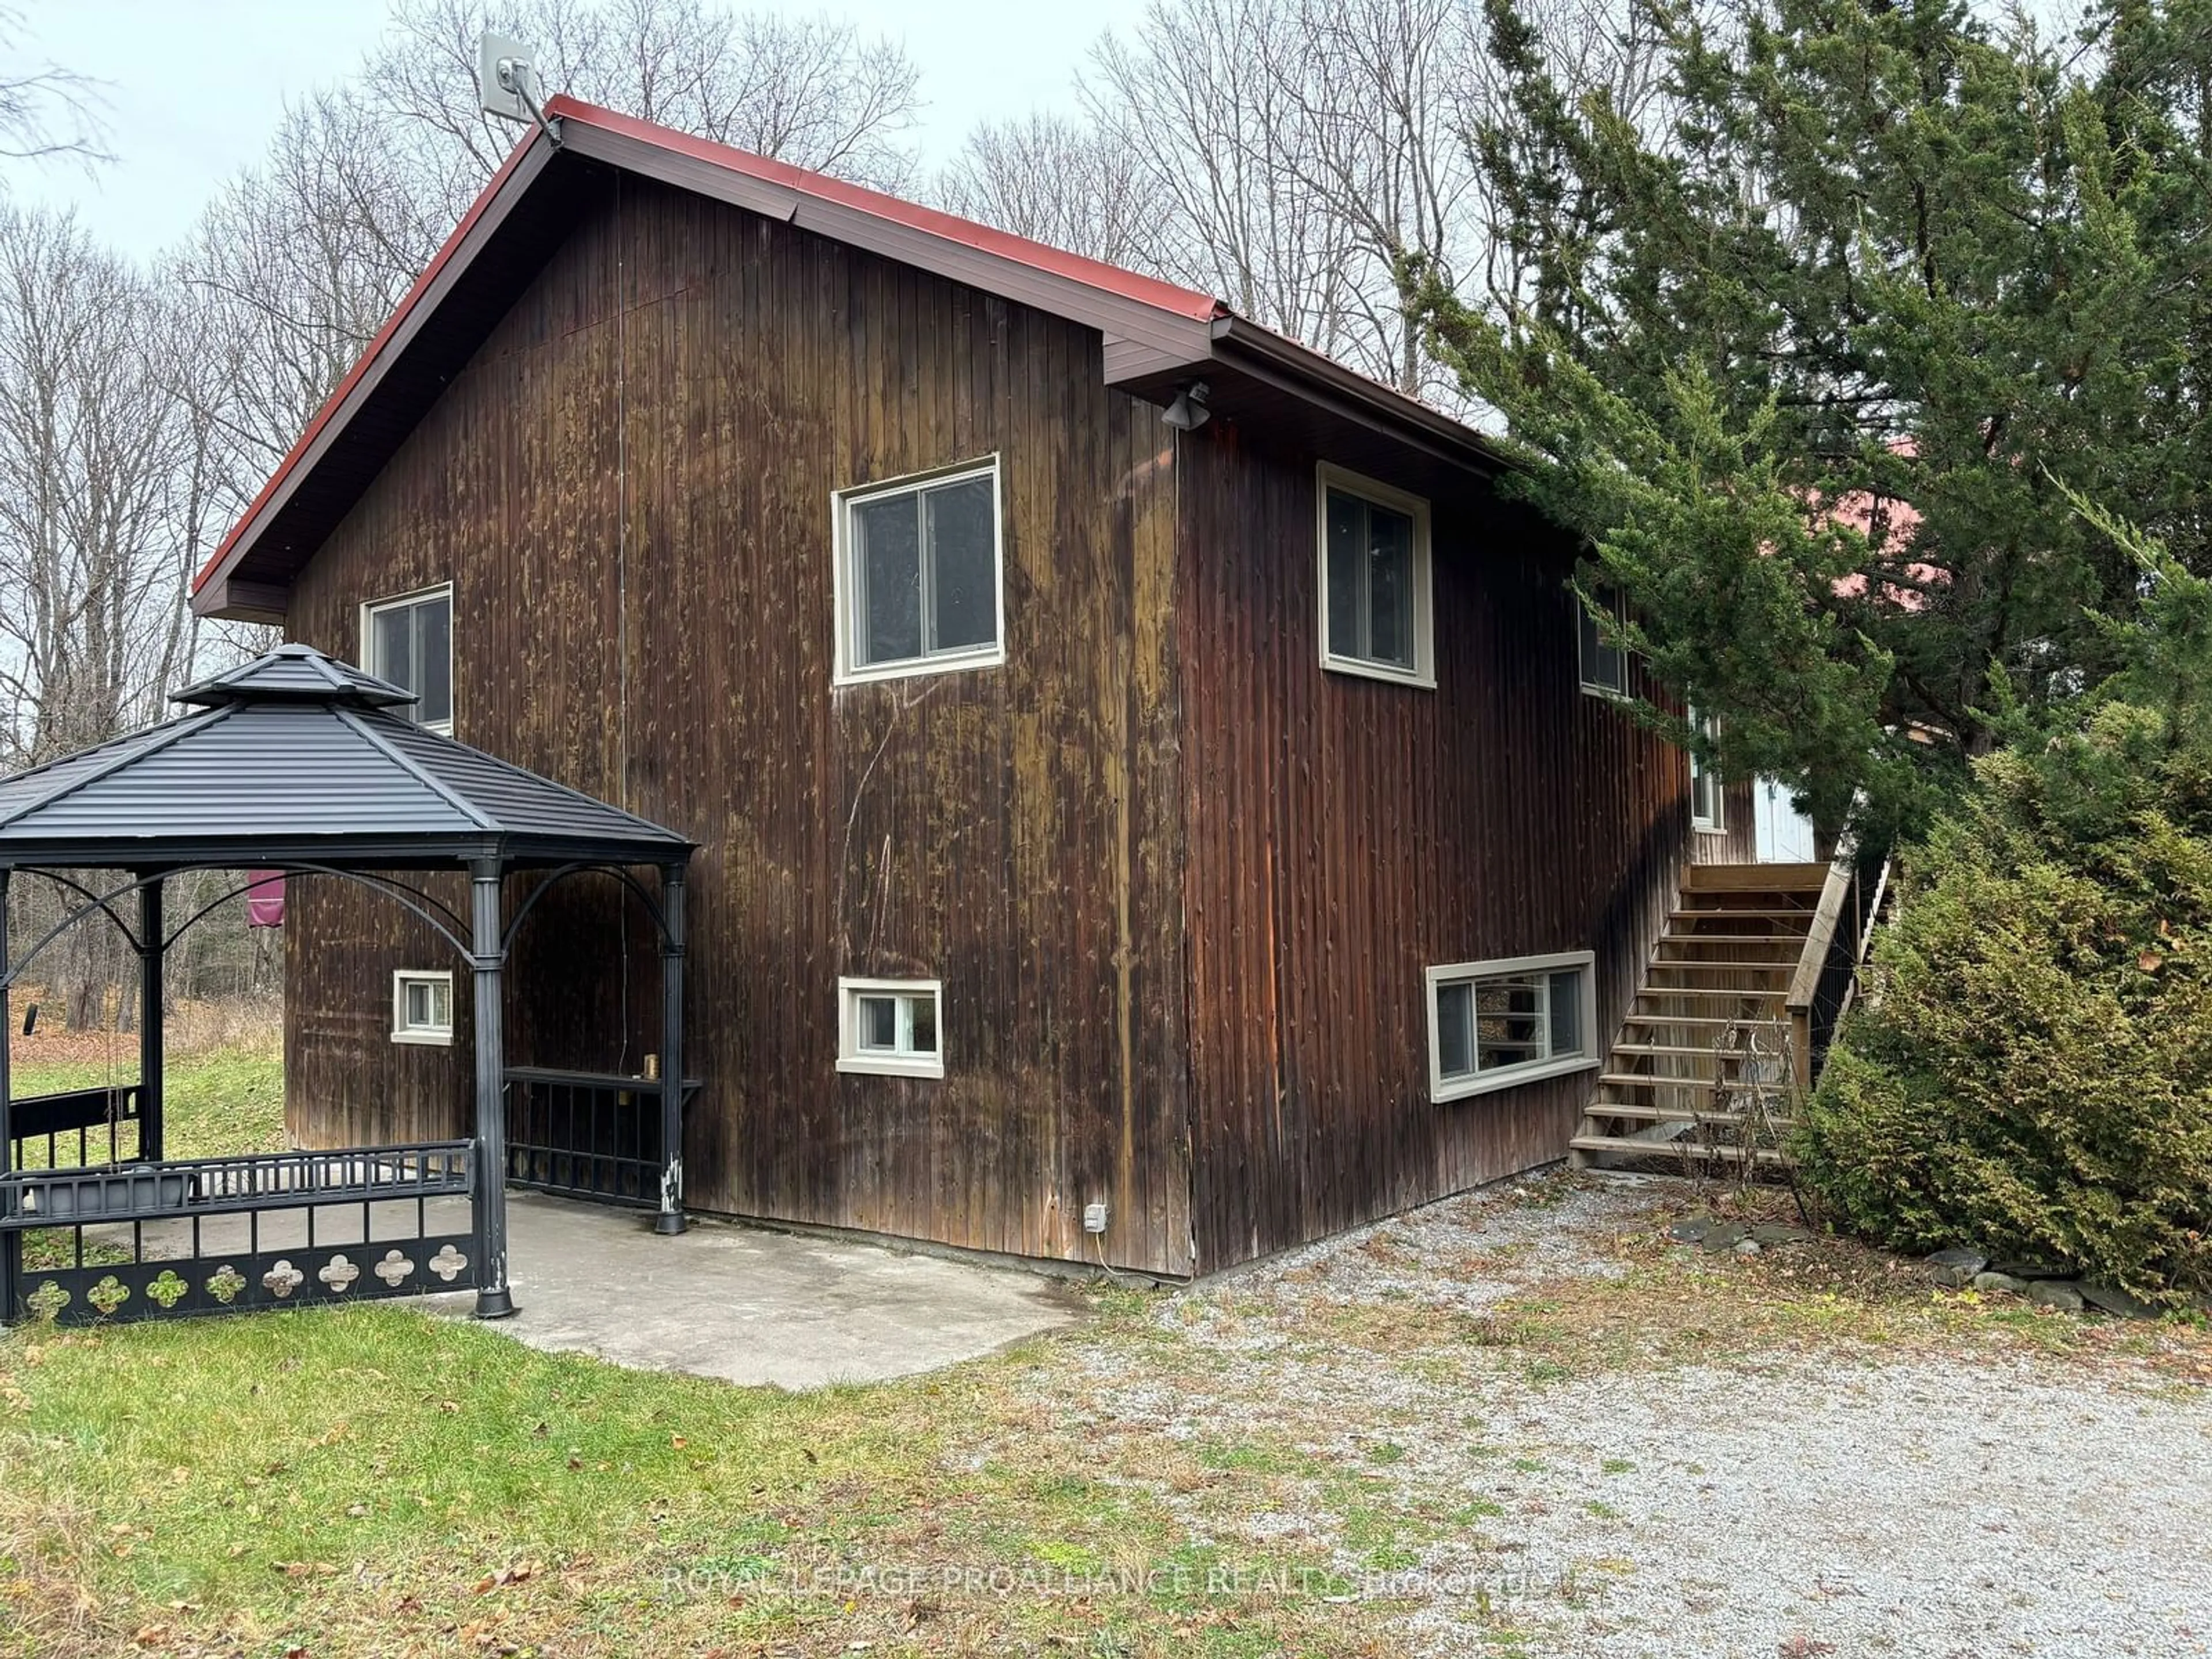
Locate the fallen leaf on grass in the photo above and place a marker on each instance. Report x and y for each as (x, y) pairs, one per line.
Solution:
(520, 1573)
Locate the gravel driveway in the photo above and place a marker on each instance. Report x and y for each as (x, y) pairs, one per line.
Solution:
(1524, 1422)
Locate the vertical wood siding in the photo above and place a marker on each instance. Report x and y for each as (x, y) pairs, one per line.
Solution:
(1345, 833)
(630, 487)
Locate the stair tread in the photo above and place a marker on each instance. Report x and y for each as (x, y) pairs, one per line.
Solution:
(1675, 1149)
(1731, 938)
(1648, 1079)
(1629, 1108)
(1706, 992)
(1772, 918)
(1774, 1021)
(1721, 965)
(1672, 1048)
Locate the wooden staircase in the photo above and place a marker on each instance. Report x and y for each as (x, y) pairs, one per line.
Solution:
(1702, 1073)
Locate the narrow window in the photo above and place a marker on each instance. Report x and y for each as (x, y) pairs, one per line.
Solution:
(1605, 664)
(422, 1005)
(1707, 802)
(1495, 1024)
(918, 575)
(1375, 580)
(410, 641)
(891, 1026)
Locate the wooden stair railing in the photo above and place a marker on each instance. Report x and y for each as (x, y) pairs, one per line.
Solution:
(1826, 978)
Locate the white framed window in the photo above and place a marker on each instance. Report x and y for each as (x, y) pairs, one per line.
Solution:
(409, 640)
(1604, 664)
(1708, 802)
(1492, 1024)
(891, 1026)
(1377, 610)
(919, 574)
(422, 1005)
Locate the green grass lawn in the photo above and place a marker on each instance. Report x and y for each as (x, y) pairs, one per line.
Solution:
(232, 1101)
(371, 1480)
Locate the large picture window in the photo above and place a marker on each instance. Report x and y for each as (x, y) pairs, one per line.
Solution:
(919, 575)
(1492, 1024)
(410, 641)
(1375, 580)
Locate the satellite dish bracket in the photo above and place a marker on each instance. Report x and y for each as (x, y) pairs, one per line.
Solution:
(507, 76)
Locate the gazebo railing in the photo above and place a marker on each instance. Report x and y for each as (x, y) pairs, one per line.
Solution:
(71, 1126)
(586, 1134)
(215, 1235)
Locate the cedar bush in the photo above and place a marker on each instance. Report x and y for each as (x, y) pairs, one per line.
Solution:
(2032, 1074)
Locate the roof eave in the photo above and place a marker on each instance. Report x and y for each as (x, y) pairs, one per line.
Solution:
(1299, 369)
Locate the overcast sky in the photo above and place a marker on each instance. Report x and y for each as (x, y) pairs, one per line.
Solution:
(195, 85)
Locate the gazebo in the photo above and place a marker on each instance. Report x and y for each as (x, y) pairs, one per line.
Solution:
(296, 762)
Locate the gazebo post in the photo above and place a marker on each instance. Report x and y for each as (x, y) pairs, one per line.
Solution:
(11, 1244)
(493, 1300)
(671, 1218)
(150, 962)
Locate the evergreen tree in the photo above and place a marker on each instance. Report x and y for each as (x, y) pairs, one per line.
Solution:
(1820, 362)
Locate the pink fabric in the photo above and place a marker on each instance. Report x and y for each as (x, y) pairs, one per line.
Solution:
(264, 904)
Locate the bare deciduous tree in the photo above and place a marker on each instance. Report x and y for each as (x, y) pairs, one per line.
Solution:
(100, 471)
(1057, 181)
(1197, 100)
(294, 265)
(45, 109)
(810, 91)
(1311, 157)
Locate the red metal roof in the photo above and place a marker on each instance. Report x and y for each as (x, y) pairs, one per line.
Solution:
(1094, 273)
(1166, 297)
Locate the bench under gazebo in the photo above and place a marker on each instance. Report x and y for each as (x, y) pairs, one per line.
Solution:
(298, 764)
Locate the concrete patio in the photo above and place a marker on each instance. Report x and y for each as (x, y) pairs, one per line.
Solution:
(753, 1306)
(743, 1303)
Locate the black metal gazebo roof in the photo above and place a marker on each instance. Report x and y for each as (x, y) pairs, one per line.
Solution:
(297, 757)
(297, 762)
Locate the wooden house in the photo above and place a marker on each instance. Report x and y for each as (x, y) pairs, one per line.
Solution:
(1144, 771)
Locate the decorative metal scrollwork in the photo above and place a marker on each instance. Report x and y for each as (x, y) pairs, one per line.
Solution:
(394, 1268)
(168, 1290)
(448, 1263)
(225, 1283)
(109, 1294)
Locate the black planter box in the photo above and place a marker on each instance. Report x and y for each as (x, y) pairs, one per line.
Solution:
(69, 1198)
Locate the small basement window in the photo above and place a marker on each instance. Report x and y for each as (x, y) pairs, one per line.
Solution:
(410, 641)
(918, 575)
(1492, 1024)
(1375, 580)
(1605, 664)
(422, 1007)
(891, 1026)
(1708, 802)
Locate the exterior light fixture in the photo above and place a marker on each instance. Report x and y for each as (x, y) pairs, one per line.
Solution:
(1189, 412)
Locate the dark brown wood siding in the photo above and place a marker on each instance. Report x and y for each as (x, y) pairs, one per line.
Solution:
(1736, 841)
(1343, 835)
(629, 488)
